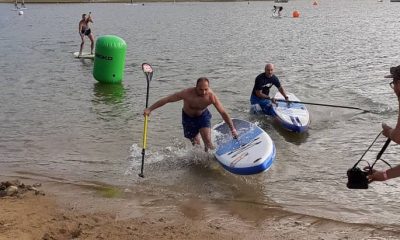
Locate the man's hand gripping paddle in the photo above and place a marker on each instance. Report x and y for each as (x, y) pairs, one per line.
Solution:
(148, 71)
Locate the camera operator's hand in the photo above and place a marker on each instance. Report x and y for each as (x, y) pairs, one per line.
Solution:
(386, 130)
(375, 175)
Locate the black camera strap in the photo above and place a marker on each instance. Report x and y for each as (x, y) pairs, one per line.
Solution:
(355, 165)
(358, 178)
(378, 157)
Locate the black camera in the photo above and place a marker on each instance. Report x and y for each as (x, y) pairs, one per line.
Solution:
(357, 178)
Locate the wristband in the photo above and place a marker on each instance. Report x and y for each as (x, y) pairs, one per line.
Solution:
(385, 176)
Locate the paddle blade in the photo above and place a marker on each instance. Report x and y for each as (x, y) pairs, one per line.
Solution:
(148, 70)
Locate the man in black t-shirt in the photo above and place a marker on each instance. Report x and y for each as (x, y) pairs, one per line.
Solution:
(260, 94)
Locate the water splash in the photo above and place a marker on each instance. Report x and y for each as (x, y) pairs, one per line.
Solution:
(135, 158)
(178, 155)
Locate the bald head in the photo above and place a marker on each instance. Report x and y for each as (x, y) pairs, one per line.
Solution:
(269, 69)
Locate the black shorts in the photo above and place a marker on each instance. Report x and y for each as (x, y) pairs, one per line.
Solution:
(86, 32)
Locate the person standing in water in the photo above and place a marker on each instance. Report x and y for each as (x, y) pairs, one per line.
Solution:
(279, 9)
(196, 119)
(84, 30)
(390, 132)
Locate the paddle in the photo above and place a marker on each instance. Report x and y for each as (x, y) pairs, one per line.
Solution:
(148, 71)
(321, 104)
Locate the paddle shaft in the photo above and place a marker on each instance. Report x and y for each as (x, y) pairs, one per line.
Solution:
(321, 104)
(144, 143)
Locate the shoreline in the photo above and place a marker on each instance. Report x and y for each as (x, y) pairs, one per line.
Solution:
(68, 211)
(120, 1)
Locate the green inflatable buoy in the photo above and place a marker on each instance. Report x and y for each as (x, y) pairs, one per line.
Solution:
(109, 60)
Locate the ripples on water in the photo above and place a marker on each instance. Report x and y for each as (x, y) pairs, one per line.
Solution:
(58, 122)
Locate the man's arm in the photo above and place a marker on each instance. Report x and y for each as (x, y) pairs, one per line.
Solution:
(224, 115)
(171, 98)
(384, 175)
(260, 94)
(282, 91)
(392, 133)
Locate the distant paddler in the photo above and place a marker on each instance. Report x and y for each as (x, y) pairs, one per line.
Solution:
(84, 30)
(279, 9)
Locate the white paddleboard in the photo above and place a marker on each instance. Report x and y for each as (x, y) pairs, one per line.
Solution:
(294, 117)
(18, 9)
(253, 152)
(276, 15)
(84, 55)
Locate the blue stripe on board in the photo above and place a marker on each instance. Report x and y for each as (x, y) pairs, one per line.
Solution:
(295, 126)
(255, 169)
(293, 121)
(243, 139)
(292, 127)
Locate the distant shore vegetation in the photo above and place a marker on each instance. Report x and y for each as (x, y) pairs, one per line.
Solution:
(121, 1)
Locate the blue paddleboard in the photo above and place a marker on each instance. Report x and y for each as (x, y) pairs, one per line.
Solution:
(294, 116)
(253, 152)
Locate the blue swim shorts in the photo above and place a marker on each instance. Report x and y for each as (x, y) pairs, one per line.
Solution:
(192, 125)
(265, 104)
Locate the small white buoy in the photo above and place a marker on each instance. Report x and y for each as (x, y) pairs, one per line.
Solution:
(20, 12)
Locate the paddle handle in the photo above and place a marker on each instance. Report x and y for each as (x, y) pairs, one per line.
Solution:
(145, 132)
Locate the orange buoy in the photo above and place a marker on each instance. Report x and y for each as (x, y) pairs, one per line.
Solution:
(296, 14)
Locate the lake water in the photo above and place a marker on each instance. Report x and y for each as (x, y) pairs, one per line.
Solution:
(57, 123)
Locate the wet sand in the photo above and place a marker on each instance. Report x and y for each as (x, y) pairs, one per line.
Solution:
(67, 211)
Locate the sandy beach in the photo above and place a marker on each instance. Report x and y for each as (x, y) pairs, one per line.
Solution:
(63, 211)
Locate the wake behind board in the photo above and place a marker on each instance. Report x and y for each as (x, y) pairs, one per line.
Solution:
(84, 55)
(253, 152)
(294, 117)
